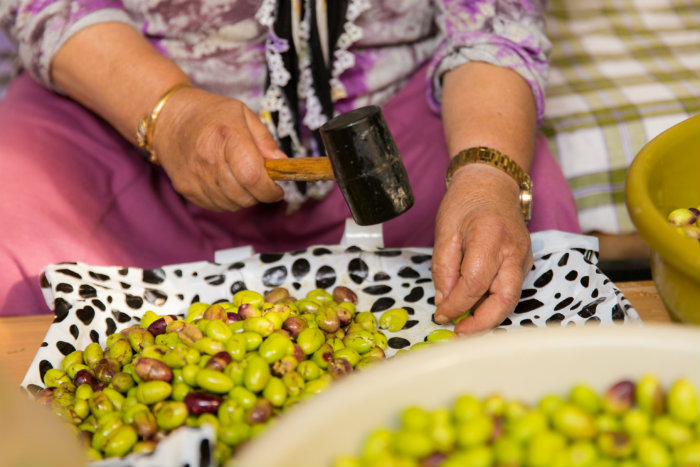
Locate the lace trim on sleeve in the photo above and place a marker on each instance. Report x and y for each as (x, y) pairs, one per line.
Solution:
(344, 59)
(276, 104)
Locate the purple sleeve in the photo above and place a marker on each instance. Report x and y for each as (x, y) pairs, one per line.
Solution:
(40, 27)
(508, 33)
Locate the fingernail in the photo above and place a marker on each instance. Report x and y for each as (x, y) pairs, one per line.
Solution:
(440, 319)
(438, 297)
(279, 154)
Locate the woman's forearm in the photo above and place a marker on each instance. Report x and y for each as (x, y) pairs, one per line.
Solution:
(486, 105)
(113, 70)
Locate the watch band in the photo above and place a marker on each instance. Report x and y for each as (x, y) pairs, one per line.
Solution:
(484, 155)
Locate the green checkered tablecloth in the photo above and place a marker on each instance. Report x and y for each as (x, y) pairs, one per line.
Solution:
(622, 71)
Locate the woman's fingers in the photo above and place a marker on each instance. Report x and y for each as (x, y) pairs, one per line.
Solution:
(501, 298)
(215, 149)
(247, 165)
(480, 262)
(447, 254)
(262, 137)
(481, 252)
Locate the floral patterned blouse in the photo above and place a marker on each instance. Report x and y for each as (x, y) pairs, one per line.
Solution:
(268, 53)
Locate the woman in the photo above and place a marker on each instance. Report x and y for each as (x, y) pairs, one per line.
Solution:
(232, 83)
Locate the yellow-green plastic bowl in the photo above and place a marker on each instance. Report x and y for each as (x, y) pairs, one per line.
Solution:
(665, 175)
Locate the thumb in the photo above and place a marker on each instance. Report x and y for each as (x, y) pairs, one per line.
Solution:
(264, 141)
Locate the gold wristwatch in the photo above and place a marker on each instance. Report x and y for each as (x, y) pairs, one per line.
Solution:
(484, 155)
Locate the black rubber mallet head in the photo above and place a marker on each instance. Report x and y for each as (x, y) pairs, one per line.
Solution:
(364, 161)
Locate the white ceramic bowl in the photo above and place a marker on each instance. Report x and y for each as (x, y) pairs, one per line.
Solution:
(521, 365)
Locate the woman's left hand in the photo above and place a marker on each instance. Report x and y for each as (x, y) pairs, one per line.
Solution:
(482, 249)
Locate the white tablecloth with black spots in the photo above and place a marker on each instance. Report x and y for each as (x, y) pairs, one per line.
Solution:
(564, 287)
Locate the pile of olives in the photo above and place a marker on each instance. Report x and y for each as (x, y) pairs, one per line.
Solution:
(234, 365)
(686, 220)
(632, 424)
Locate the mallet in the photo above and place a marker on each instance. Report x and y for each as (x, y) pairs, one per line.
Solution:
(364, 161)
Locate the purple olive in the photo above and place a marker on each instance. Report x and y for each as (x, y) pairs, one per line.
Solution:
(199, 402)
(100, 386)
(434, 460)
(150, 369)
(344, 294)
(344, 315)
(247, 310)
(294, 325)
(157, 327)
(232, 317)
(218, 361)
(298, 353)
(339, 367)
(619, 397)
(84, 377)
(260, 412)
(106, 369)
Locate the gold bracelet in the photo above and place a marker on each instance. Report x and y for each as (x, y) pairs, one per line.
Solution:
(484, 155)
(147, 123)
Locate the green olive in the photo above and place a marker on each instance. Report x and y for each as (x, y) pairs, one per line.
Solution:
(474, 431)
(544, 447)
(151, 392)
(247, 296)
(121, 441)
(274, 347)
(256, 374)
(171, 415)
(394, 319)
(310, 340)
(413, 443)
(574, 422)
(213, 381)
(652, 452)
(74, 357)
(275, 391)
(440, 335)
(585, 397)
(243, 397)
(234, 434)
(682, 401)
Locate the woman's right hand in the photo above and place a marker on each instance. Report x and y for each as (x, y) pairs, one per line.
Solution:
(213, 150)
(211, 147)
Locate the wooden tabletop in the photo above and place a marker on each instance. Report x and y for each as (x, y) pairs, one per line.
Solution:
(20, 337)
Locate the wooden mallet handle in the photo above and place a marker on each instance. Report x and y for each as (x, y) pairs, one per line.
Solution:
(300, 169)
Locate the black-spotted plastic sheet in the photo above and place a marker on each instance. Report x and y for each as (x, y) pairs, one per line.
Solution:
(564, 287)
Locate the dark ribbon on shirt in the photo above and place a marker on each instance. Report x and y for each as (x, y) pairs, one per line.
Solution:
(320, 70)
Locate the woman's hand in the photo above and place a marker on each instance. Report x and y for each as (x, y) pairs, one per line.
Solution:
(213, 149)
(482, 249)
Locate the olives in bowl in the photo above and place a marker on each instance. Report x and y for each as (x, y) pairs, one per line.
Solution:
(662, 178)
(540, 380)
